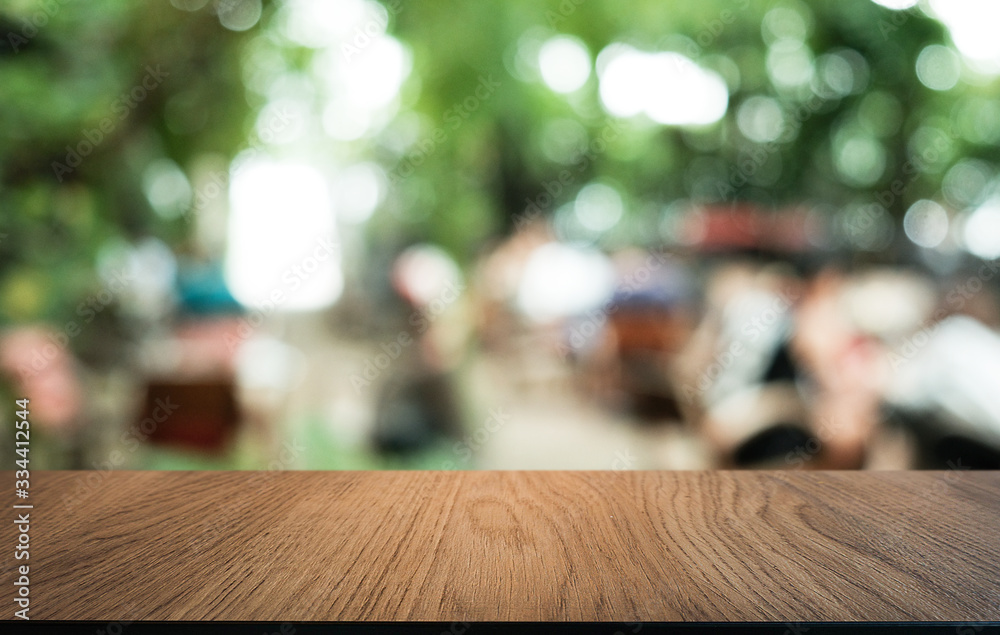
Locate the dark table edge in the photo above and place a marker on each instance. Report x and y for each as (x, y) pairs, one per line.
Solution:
(496, 628)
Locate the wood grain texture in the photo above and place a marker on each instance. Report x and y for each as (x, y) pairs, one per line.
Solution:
(473, 546)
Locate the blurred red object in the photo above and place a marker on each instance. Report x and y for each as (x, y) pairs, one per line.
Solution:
(191, 398)
(202, 416)
(736, 227)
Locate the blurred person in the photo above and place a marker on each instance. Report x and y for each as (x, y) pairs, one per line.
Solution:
(626, 347)
(845, 370)
(495, 285)
(944, 388)
(418, 404)
(45, 372)
(740, 376)
(847, 330)
(531, 292)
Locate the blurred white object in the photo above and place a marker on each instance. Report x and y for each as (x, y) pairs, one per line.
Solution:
(425, 274)
(889, 304)
(564, 63)
(982, 231)
(956, 372)
(668, 87)
(755, 323)
(562, 280)
(265, 363)
(283, 244)
(149, 270)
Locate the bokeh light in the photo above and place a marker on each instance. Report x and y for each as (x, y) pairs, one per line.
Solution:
(282, 237)
(598, 207)
(926, 223)
(560, 280)
(668, 87)
(982, 231)
(938, 67)
(564, 63)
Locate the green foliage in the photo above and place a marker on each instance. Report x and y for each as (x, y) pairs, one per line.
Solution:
(65, 77)
(455, 42)
(66, 70)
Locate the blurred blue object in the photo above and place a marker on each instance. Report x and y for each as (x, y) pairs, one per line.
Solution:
(202, 290)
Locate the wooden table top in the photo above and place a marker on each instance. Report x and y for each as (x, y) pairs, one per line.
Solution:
(521, 546)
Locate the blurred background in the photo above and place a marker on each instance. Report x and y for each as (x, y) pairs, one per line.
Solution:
(574, 234)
